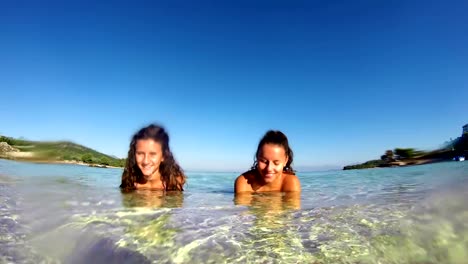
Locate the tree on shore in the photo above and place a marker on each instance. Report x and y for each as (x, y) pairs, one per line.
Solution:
(388, 156)
(406, 153)
(104, 161)
(87, 158)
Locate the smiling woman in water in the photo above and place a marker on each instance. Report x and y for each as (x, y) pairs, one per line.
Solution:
(272, 169)
(150, 163)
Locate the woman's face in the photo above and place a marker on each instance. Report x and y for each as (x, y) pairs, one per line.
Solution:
(271, 160)
(148, 155)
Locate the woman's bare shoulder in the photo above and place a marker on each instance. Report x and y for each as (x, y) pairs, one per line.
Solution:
(291, 183)
(243, 182)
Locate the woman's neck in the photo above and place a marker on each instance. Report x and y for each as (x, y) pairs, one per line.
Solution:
(156, 176)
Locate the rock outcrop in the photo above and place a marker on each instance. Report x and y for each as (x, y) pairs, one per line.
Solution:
(5, 147)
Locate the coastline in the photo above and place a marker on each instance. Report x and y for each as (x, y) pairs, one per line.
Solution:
(411, 162)
(397, 164)
(59, 152)
(66, 162)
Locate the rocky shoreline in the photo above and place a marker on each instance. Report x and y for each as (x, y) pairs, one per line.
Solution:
(402, 163)
(397, 163)
(69, 162)
(12, 153)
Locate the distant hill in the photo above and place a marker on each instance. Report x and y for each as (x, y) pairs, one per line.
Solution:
(57, 151)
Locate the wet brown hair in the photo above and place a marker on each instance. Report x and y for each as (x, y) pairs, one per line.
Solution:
(276, 137)
(172, 175)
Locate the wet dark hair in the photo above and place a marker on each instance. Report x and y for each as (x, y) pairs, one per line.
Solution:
(172, 175)
(276, 137)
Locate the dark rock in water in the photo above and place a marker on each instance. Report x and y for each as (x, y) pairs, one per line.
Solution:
(104, 251)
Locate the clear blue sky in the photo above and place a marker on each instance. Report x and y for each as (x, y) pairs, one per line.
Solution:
(345, 80)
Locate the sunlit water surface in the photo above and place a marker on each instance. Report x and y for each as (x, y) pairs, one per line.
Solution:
(76, 214)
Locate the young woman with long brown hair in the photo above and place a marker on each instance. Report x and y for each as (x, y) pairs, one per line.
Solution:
(150, 162)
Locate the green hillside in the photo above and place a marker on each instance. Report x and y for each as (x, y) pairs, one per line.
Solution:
(59, 151)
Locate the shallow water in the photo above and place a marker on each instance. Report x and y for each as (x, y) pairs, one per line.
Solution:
(76, 214)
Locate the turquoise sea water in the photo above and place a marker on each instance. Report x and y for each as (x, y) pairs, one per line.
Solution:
(76, 214)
